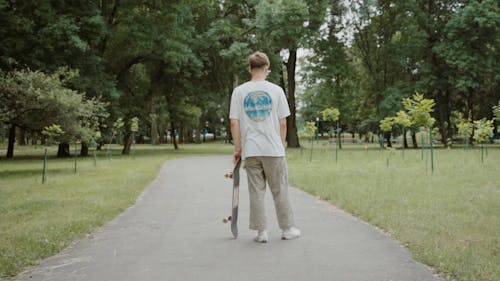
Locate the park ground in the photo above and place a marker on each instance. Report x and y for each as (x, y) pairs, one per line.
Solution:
(446, 212)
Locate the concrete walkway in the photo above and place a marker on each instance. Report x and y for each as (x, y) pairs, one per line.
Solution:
(175, 232)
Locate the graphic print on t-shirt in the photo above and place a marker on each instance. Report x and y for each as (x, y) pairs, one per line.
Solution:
(258, 105)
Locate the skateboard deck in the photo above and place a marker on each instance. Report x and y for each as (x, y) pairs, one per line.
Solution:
(233, 218)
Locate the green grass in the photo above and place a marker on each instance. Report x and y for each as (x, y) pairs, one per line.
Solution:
(37, 221)
(449, 220)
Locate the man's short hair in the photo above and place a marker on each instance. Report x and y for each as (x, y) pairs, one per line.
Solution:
(258, 60)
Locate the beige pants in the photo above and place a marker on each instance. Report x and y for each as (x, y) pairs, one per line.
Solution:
(272, 170)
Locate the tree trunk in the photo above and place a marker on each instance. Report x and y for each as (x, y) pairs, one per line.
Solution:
(387, 136)
(84, 150)
(367, 138)
(161, 138)
(414, 139)
(63, 150)
(189, 135)
(154, 132)
(21, 136)
(172, 134)
(12, 140)
(405, 142)
(443, 114)
(182, 134)
(470, 105)
(198, 134)
(154, 121)
(291, 132)
(34, 138)
(127, 143)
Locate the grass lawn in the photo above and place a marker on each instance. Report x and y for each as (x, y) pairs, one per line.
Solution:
(37, 221)
(449, 219)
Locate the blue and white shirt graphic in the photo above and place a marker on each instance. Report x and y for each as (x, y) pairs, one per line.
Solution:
(258, 105)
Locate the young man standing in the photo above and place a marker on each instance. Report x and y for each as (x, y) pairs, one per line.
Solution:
(258, 125)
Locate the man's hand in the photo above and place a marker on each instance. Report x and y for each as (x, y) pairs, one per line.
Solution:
(236, 157)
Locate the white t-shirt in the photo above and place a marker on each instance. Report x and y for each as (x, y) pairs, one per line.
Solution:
(259, 105)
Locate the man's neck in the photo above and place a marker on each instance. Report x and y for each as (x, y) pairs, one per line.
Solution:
(259, 75)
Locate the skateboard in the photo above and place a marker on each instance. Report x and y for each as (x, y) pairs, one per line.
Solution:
(233, 218)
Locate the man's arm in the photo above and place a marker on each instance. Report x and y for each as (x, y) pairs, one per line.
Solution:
(283, 130)
(236, 134)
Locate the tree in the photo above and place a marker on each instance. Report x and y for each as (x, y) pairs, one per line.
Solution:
(386, 56)
(33, 100)
(419, 109)
(326, 71)
(470, 48)
(308, 132)
(496, 111)
(49, 35)
(402, 119)
(483, 132)
(465, 127)
(160, 62)
(332, 115)
(285, 26)
(386, 126)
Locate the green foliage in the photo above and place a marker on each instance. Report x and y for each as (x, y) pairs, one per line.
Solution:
(52, 132)
(179, 60)
(448, 221)
(309, 130)
(386, 49)
(386, 124)
(282, 22)
(331, 114)
(464, 126)
(118, 125)
(402, 119)
(419, 109)
(48, 35)
(496, 111)
(34, 100)
(483, 130)
(471, 34)
(134, 125)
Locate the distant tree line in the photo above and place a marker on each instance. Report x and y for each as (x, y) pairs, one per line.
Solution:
(83, 65)
(371, 55)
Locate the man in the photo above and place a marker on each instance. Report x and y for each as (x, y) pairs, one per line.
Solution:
(258, 125)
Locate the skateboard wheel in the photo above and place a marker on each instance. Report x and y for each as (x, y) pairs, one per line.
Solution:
(229, 175)
(226, 220)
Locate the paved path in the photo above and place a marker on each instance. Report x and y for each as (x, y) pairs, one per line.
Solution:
(175, 232)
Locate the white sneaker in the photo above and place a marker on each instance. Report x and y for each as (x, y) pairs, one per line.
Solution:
(290, 233)
(261, 236)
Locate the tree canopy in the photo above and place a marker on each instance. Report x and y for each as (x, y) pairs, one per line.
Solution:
(173, 64)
